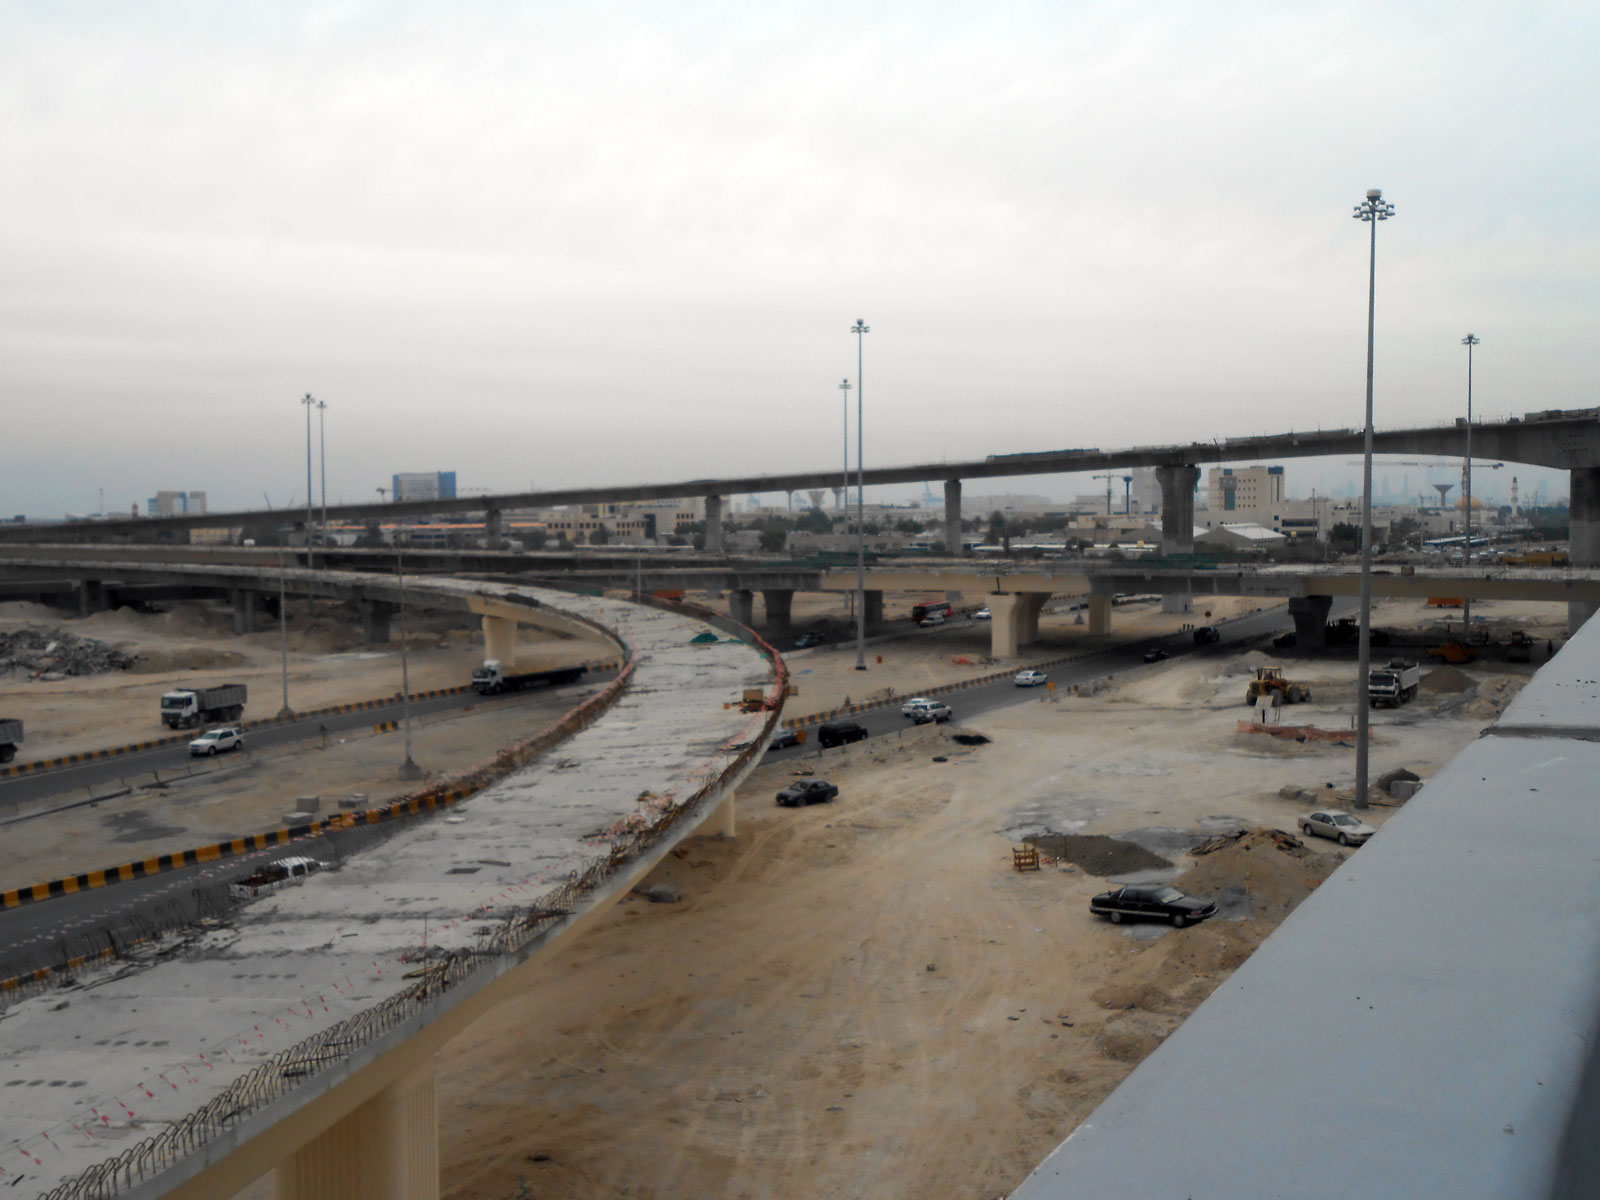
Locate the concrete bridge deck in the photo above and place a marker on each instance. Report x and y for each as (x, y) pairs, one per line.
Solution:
(394, 953)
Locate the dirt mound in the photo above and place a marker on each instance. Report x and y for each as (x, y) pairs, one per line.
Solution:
(188, 658)
(1096, 853)
(1493, 695)
(1246, 664)
(27, 610)
(1265, 871)
(1446, 680)
(1179, 971)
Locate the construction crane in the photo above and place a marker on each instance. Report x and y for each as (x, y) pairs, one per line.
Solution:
(1108, 478)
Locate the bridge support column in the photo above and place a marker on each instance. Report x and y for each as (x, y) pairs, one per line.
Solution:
(246, 611)
(721, 821)
(1014, 621)
(952, 519)
(388, 1149)
(375, 618)
(1310, 615)
(1100, 613)
(91, 597)
(742, 606)
(713, 524)
(778, 604)
(493, 538)
(500, 641)
(1584, 549)
(874, 608)
(1177, 508)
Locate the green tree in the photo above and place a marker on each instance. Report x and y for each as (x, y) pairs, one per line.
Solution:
(535, 539)
(774, 538)
(599, 536)
(1345, 537)
(815, 521)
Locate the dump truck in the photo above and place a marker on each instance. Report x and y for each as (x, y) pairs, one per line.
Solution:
(184, 708)
(489, 679)
(1394, 684)
(10, 738)
(1269, 687)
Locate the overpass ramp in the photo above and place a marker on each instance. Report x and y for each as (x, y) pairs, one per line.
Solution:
(299, 1034)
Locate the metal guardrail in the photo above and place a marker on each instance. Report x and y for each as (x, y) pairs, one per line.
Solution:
(290, 1068)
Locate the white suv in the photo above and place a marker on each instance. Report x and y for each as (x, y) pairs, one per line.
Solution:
(215, 741)
(915, 705)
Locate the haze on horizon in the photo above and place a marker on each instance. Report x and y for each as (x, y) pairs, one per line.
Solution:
(568, 244)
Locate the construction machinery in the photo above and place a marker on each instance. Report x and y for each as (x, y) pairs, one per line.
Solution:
(1269, 687)
(1453, 652)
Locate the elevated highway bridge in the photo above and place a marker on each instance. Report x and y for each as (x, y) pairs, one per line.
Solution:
(298, 1037)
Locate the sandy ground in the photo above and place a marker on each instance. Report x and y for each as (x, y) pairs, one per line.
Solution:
(864, 999)
(194, 644)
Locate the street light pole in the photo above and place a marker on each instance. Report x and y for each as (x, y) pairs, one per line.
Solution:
(311, 603)
(844, 495)
(1374, 209)
(283, 631)
(322, 458)
(860, 328)
(408, 769)
(1469, 342)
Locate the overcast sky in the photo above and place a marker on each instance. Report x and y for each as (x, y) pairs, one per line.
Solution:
(551, 244)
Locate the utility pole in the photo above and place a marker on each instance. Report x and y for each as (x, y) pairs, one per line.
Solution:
(283, 632)
(322, 458)
(311, 603)
(844, 495)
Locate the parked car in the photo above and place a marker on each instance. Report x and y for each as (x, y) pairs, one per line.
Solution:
(1158, 903)
(1206, 633)
(1030, 678)
(933, 618)
(910, 707)
(807, 640)
(215, 741)
(1155, 654)
(1340, 826)
(935, 711)
(840, 733)
(807, 791)
(982, 614)
(783, 739)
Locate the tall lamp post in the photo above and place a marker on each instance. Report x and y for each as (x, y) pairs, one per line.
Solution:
(860, 328)
(1374, 209)
(409, 768)
(311, 600)
(844, 496)
(322, 459)
(1469, 342)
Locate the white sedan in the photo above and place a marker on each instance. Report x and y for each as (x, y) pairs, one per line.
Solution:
(982, 614)
(215, 741)
(1340, 826)
(1030, 678)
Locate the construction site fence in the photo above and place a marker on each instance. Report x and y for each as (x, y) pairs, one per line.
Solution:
(510, 935)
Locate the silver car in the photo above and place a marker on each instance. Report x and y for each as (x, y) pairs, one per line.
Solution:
(214, 741)
(1340, 826)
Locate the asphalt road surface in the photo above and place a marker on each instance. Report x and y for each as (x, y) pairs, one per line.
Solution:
(47, 922)
(109, 772)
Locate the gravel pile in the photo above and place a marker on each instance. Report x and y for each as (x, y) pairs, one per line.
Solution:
(56, 654)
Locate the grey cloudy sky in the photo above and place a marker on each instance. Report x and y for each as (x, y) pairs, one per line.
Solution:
(551, 244)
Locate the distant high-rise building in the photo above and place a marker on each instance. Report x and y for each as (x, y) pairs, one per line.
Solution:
(175, 504)
(424, 485)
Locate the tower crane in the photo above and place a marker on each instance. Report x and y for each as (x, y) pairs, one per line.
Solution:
(1108, 478)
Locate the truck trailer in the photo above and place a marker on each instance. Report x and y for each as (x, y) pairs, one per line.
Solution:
(10, 738)
(185, 708)
(1394, 684)
(489, 679)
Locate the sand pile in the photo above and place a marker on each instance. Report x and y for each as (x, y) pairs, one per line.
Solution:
(1266, 873)
(1176, 973)
(28, 610)
(1246, 664)
(1493, 695)
(1446, 680)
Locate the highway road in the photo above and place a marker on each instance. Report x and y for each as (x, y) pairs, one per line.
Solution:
(108, 772)
(37, 927)
(165, 897)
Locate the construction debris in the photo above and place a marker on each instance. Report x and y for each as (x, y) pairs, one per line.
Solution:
(56, 654)
(1280, 840)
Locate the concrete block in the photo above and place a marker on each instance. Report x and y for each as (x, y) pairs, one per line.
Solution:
(1404, 789)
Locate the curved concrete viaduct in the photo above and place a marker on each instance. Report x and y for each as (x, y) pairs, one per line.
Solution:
(299, 1037)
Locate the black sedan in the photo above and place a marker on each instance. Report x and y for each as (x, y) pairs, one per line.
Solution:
(1152, 903)
(783, 739)
(1155, 654)
(807, 791)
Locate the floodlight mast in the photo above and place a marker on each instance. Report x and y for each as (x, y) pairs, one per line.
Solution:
(1373, 210)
